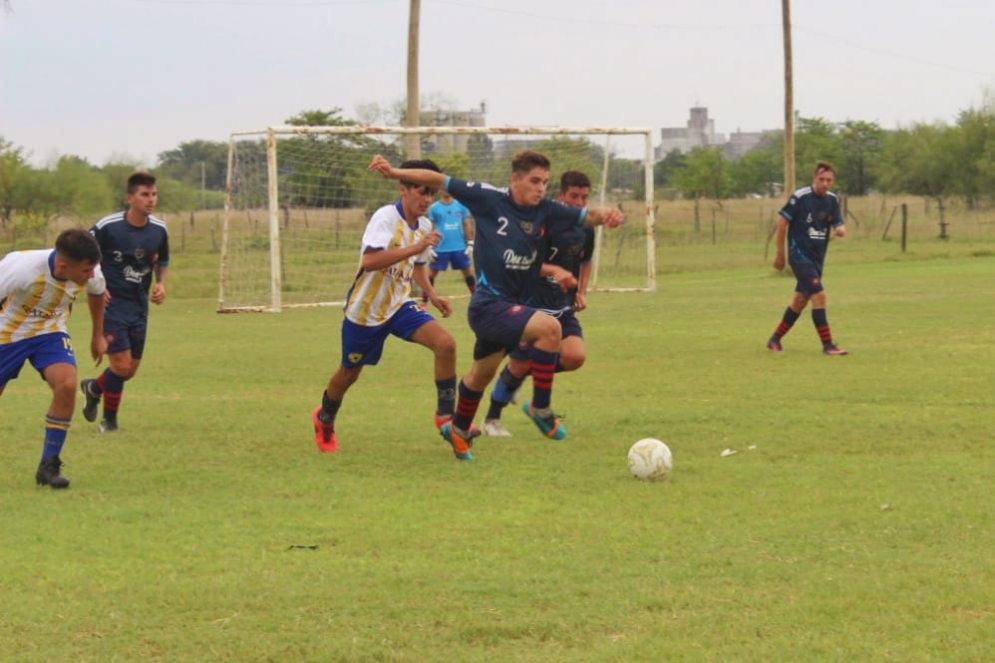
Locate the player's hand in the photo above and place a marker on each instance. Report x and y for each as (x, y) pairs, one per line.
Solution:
(779, 262)
(443, 305)
(380, 165)
(468, 251)
(839, 231)
(98, 348)
(613, 218)
(580, 301)
(564, 279)
(158, 293)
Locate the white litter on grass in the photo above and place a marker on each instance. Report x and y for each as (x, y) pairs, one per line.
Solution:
(752, 447)
(728, 452)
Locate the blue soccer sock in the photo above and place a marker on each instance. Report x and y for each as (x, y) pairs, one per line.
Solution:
(56, 430)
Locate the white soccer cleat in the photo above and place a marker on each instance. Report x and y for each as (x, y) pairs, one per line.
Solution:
(494, 428)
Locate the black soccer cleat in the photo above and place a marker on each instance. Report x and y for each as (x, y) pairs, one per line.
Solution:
(48, 474)
(92, 401)
(107, 425)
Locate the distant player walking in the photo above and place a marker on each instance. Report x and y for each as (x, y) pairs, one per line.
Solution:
(454, 222)
(135, 246)
(37, 291)
(805, 221)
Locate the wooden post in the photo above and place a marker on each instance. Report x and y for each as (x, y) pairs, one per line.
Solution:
(713, 226)
(905, 224)
(943, 221)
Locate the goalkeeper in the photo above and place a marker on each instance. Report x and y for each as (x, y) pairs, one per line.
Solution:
(453, 221)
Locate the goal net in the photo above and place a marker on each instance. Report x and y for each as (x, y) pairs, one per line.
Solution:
(299, 198)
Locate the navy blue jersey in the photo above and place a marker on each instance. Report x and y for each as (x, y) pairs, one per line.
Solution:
(129, 254)
(570, 250)
(509, 237)
(810, 219)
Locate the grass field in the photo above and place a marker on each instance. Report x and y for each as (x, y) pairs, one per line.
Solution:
(855, 523)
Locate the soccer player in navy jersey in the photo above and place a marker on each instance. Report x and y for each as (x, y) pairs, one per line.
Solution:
(561, 293)
(511, 227)
(135, 246)
(37, 291)
(805, 221)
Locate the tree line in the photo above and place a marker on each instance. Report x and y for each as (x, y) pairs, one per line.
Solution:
(932, 160)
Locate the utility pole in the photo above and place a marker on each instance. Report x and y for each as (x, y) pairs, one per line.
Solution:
(412, 141)
(789, 102)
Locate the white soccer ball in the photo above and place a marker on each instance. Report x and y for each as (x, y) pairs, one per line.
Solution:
(650, 459)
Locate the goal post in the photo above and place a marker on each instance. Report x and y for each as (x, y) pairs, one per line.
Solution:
(298, 199)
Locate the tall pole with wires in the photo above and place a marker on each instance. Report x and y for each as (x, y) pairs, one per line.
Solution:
(412, 141)
(789, 102)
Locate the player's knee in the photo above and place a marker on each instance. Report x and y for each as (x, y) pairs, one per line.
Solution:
(445, 346)
(64, 389)
(571, 362)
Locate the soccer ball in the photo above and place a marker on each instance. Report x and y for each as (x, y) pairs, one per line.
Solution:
(650, 459)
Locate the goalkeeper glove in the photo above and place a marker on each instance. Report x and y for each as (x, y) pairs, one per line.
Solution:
(433, 254)
(469, 248)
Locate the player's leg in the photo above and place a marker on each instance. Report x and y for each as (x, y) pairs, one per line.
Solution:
(434, 336)
(125, 348)
(806, 275)
(821, 323)
(573, 352)
(361, 346)
(544, 334)
(461, 261)
(53, 358)
(508, 381)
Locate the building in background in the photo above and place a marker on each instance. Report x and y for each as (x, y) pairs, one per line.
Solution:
(475, 117)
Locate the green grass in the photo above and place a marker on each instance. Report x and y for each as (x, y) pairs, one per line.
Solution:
(855, 523)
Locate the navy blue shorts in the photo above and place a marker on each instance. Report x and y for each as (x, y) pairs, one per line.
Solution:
(363, 346)
(809, 278)
(457, 259)
(42, 351)
(498, 325)
(122, 337)
(569, 324)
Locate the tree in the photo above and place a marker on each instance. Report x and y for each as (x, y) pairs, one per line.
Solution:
(706, 174)
(190, 160)
(860, 144)
(665, 170)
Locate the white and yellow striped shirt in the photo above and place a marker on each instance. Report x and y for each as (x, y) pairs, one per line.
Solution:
(375, 296)
(34, 302)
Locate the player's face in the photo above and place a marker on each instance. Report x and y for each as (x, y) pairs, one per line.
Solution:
(574, 196)
(417, 199)
(143, 199)
(823, 180)
(529, 188)
(79, 272)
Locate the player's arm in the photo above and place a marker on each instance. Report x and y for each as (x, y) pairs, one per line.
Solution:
(95, 290)
(420, 276)
(159, 287)
(469, 233)
(609, 217)
(562, 276)
(378, 258)
(780, 236)
(580, 299)
(419, 176)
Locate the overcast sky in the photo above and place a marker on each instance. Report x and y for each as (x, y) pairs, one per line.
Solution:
(111, 79)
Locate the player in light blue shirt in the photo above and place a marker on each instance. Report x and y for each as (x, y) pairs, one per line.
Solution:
(455, 223)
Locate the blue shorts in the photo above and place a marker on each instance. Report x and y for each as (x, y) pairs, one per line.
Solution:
(569, 324)
(42, 351)
(363, 346)
(809, 277)
(498, 325)
(122, 337)
(457, 259)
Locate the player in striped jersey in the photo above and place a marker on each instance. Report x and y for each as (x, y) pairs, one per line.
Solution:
(135, 246)
(37, 290)
(396, 246)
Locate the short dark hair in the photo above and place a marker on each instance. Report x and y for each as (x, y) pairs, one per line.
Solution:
(574, 178)
(78, 245)
(527, 160)
(824, 165)
(140, 179)
(422, 164)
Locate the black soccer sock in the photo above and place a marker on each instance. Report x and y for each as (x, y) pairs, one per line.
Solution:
(329, 408)
(466, 407)
(822, 326)
(787, 321)
(445, 396)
